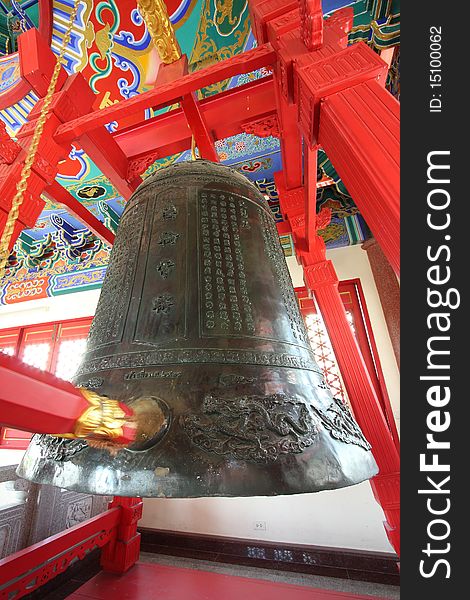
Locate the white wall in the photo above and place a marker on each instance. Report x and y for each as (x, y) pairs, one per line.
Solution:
(347, 518)
(44, 310)
(10, 457)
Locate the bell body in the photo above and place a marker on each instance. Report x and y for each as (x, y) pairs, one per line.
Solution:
(198, 329)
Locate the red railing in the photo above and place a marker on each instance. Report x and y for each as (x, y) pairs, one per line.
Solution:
(115, 531)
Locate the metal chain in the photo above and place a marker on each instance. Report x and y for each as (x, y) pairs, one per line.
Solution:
(22, 184)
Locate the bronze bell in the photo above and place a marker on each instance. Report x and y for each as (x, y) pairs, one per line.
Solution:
(199, 330)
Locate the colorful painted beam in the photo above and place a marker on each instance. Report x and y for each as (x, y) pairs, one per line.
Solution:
(57, 193)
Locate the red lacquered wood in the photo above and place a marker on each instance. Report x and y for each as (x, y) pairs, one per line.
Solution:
(224, 115)
(123, 552)
(22, 87)
(320, 277)
(310, 189)
(37, 62)
(202, 135)
(360, 132)
(191, 108)
(28, 569)
(169, 93)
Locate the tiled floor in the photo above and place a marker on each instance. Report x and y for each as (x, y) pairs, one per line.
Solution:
(150, 580)
(390, 592)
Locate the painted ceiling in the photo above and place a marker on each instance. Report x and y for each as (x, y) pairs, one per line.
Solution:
(112, 48)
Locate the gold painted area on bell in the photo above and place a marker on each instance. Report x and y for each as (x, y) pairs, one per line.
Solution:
(152, 417)
(198, 330)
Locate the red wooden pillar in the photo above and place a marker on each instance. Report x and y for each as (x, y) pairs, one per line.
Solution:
(360, 132)
(320, 277)
(121, 554)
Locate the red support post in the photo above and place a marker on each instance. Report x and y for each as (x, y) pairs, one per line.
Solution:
(321, 278)
(191, 108)
(360, 132)
(290, 138)
(310, 190)
(122, 553)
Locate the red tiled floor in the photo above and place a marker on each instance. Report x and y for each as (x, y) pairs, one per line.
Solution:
(154, 582)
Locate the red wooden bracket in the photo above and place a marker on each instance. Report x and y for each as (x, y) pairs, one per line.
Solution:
(9, 149)
(110, 159)
(266, 126)
(338, 72)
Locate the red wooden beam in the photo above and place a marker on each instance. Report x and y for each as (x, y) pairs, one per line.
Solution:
(195, 118)
(360, 132)
(99, 144)
(37, 62)
(57, 193)
(110, 159)
(169, 93)
(224, 115)
(199, 128)
(36, 401)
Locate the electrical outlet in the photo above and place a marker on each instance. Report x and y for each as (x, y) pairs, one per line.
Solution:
(259, 525)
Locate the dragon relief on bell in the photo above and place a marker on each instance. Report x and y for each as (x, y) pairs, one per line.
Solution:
(254, 428)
